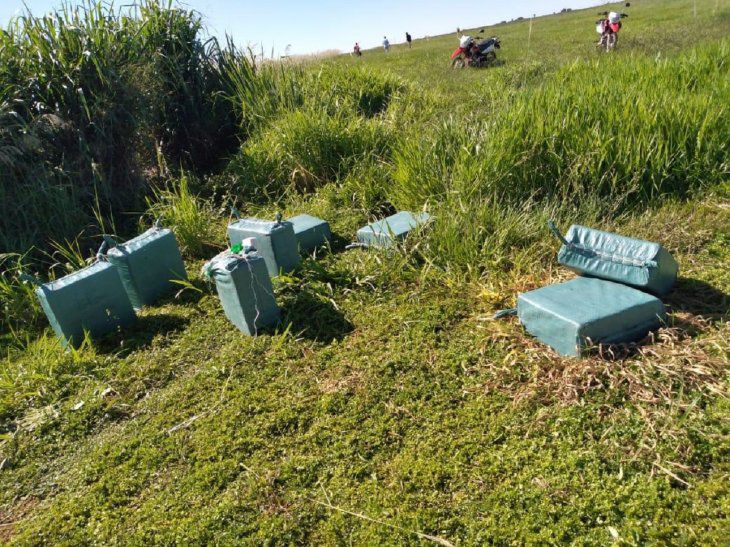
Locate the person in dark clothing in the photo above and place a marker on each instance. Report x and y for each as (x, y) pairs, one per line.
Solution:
(409, 39)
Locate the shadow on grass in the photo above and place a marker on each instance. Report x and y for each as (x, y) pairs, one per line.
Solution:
(338, 243)
(186, 293)
(142, 333)
(699, 298)
(313, 317)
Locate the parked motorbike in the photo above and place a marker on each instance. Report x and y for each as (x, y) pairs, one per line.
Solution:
(475, 54)
(608, 27)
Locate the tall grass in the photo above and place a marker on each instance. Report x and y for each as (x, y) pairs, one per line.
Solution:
(303, 149)
(360, 91)
(261, 92)
(306, 127)
(18, 304)
(197, 227)
(67, 76)
(594, 140)
(94, 95)
(258, 93)
(40, 372)
(90, 95)
(184, 81)
(633, 128)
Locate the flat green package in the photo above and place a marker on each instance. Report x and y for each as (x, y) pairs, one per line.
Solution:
(148, 265)
(244, 288)
(311, 232)
(92, 299)
(386, 232)
(641, 264)
(275, 242)
(570, 316)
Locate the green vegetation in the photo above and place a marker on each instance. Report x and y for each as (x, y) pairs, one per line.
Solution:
(386, 407)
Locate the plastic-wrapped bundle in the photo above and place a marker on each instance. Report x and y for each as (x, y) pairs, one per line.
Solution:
(275, 242)
(92, 299)
(148, 264)
(386, 232)
(568, 316)
(311, 232)
(244, 289)
(641, 264)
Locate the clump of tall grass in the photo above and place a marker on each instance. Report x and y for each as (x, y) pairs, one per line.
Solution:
(72, 67)
(197, 227)
(480, 234)
(364, 188)
(305, 128)
(634, 127)
(184, 81)
(362, 91)
(40, 372)
(447, 158)
(258, 92)
(261, 92)
(598, 139)
(34, 201)
(90, 94)
(303, 149)
(18, 303)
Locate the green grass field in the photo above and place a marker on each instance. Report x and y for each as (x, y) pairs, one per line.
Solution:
(387, 407)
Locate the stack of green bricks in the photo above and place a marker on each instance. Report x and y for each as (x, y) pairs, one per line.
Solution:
(613, 300)
(102, 297)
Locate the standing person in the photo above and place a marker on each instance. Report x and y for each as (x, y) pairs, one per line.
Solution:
(356, 50)
(409, 40)
(386, 44)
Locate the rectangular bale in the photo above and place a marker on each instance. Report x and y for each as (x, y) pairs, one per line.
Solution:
(275, 242)
(386, 232)
(148, 265)
(569, 316)
(92, 299)
(311, 232)
(245, 290)
(641, 264)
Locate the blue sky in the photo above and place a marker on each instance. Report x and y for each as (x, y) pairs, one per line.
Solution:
(311, 26)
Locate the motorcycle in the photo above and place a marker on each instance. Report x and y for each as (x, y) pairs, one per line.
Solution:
(608, 27)
(471, 53)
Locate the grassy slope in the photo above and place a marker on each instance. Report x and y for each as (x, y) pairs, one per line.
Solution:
(391, 395)
(652, 28)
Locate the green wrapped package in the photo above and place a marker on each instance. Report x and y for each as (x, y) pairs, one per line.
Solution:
(244, 289)
(641, 264)
(568, 316)
(311, 232)
(148, 265)
(386, 232)
(276, 242)
(92, 299)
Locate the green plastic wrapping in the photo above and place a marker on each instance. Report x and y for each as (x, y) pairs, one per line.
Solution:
(311, 232)
(568, 316)
(386, 232)
(641, 264)
(92, 299)
(275, 242)
(244, 289)
(148, 265)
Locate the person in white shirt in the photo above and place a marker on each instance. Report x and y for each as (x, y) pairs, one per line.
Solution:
(386, 44)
